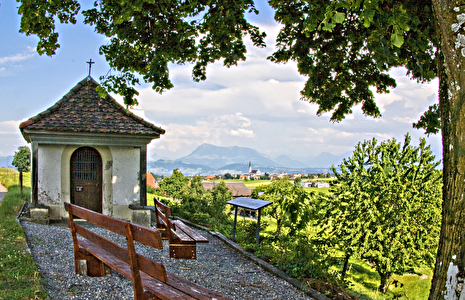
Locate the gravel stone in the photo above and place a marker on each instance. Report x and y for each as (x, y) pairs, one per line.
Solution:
(217, 267)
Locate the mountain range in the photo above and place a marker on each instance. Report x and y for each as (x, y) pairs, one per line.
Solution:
(5, 161)
(209, 160)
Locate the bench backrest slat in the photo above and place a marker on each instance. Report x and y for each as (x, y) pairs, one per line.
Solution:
(134, 266)
(164, 220)
(164, 208)
(144, 235)
(109, 246)
(145, 264)
(162, 213)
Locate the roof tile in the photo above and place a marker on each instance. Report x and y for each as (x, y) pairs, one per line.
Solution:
(83, 110)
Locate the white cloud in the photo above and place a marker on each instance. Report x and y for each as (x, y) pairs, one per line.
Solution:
(257, 104)
(18, 57)
(11, 137)
(9, 127)
(241, 132)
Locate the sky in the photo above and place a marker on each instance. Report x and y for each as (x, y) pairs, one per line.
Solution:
(255, 104)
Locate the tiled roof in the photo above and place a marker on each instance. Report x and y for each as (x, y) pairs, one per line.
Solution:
(237, 188)
(83, 110)
(151, 182)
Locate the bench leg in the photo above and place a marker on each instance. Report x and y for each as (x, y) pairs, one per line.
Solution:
(164, 232)
(186, 251)
(89, 265)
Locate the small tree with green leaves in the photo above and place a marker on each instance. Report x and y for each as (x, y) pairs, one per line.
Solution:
(174, 185)
(22, 162)
(386, 206)
(221, 194)
(289, 208)
(204, 206)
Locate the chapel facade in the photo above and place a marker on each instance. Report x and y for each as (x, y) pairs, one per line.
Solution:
(90, 151)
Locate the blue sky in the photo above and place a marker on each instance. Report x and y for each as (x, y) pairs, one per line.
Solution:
(256, 104)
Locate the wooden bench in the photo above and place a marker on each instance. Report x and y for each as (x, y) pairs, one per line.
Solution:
(182, 239)
(149, 278)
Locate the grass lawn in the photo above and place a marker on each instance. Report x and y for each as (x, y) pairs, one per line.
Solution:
(364, 281)
(251, 184)
(19, 277)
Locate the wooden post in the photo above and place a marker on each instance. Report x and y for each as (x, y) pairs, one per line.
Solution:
(21, 180)
(136, 280)
(73, 234)
(35, 173)
(235, 222)
(257, 234)
(143, 176)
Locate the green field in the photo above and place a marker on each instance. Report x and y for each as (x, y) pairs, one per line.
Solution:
(19, 277)
(251, 184)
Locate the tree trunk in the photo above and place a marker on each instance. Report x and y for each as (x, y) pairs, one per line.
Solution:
(278, 227)
(21, 180)
(383, 285)
(449, 272)
(346, 265)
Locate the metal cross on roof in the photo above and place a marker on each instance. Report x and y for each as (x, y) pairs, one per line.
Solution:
(90, 62)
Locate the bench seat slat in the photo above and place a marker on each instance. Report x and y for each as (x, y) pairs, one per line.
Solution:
(196, 291)
(191, 233)
(182, 236)
(175, 288)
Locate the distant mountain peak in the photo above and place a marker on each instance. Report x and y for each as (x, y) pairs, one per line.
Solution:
(208, 159)
(217, 156)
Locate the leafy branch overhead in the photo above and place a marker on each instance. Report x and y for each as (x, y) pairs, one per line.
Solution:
(146, 35)
(344, 48)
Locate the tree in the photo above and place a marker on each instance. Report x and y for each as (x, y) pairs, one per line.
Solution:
(342, 47)
(386, 207)
(265, 176)
(174, 185)
(22, 162)
(145, 36)
(228, 176)
(204, 206)
(220, 195)
(289, 208)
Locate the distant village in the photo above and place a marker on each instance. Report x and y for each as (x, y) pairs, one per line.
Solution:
(240, 190)
(257, 175)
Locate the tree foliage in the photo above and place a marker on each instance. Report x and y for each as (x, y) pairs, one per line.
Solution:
(386, 206)
(146, 35)
(346, 47)
(205, 207)
(22, 159)
(174, 185)
(290, 204)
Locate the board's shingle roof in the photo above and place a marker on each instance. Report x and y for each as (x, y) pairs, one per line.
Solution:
(237, 188)
(83, 110)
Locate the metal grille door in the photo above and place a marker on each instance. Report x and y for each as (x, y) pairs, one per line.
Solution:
(86, 178)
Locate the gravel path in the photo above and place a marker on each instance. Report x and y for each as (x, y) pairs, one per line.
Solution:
(217, 267)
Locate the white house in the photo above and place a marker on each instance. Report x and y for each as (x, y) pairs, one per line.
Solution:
(89, 151)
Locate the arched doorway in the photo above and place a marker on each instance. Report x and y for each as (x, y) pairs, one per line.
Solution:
(86, 178)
